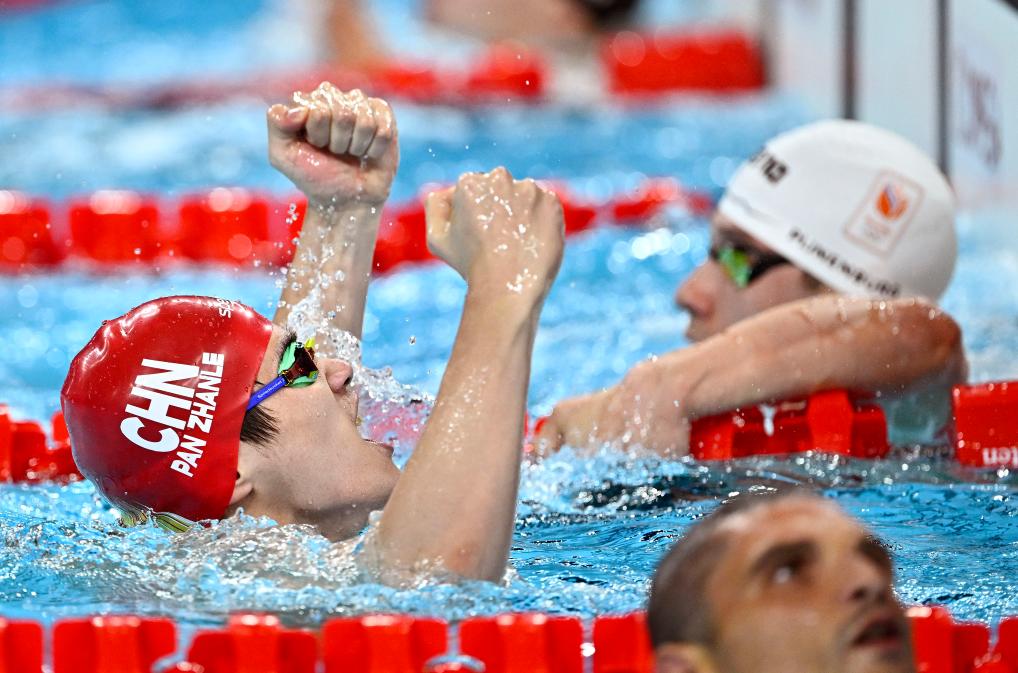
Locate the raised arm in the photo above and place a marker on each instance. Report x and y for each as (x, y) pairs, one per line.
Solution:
(788, 351)
(453, 509)
(352, 38)
(340, 149)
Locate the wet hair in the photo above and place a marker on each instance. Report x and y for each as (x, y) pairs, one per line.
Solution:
(677, 610)
(259, 427)
(607, 14)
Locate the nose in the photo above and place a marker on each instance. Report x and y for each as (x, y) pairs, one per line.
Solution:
(865, 583)
(697, 295)
(337, 373)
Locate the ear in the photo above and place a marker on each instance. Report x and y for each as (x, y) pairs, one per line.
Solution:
(242, 488)
(683, 658)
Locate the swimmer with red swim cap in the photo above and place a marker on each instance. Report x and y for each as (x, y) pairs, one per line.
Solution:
(829, 250)
(193, 408)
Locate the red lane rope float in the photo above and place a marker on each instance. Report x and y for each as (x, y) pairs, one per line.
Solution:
(622, 644)
(524, 643)
(654, 195)
(115, 227)
(389, 643)
(510, 643)
(26, 237)
(20, 647)
(251, 643)
(971, 642)
(716, 61)
(1007, 643)
(986, 424)
(241, 227)
(27, 456)
(402, 237)
(830, 421)
(225, 225)
(504, 72)
(106, 644)
(942, 646)
(986, 433)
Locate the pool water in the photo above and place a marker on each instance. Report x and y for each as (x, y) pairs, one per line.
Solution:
(589, 529)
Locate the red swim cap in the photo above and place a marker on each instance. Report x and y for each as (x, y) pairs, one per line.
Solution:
(155, 401)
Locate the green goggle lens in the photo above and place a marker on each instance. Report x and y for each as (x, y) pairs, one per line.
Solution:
(736, 264)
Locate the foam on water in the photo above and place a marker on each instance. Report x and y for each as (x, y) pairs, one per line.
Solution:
(588, 534)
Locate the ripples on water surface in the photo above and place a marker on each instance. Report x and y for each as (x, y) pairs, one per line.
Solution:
(588, 536)
(590, 529)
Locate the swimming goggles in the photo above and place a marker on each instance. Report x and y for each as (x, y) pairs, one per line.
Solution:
(743, 264)
(297, 368)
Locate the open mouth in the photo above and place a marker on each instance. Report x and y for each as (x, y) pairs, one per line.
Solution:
(884, 632)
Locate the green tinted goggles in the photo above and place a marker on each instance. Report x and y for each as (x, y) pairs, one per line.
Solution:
(297, 368)
(742, 265)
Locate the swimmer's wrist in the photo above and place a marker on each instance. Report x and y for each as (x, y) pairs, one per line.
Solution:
(348, 224)
(510, 309)
(335, 209)
(514, 292)
(711, 374)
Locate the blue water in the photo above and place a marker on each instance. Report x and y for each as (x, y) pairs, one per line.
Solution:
(589, 529)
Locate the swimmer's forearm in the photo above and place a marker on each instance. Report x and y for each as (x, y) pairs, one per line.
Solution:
(334, 253)
(817, 344)
(456, 501)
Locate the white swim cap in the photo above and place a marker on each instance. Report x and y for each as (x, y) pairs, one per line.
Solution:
(859, 208)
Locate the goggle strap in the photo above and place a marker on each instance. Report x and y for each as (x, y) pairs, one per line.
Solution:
(271, 387)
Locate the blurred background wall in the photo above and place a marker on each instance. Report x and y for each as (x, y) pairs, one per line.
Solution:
(940, 72)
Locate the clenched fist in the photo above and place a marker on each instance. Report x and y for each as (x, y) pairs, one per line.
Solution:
(337, 147)
(502, 235)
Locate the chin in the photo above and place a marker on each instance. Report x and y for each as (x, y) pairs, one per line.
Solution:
(384, 482)
(887, 660)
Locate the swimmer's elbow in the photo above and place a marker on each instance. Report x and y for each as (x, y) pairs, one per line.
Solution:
(446, 563)
(451, 566)
(473, 562)
(932, 337)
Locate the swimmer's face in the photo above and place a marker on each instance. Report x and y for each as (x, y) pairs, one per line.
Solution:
(319, 470)
(715, 302)
(802, 587)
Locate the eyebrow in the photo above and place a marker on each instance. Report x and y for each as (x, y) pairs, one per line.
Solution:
(778, 554)
(729, 233)
(870, 547)
(739, 239)
(289, 337)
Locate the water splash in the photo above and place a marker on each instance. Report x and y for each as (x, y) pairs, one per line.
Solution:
(391, 412)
